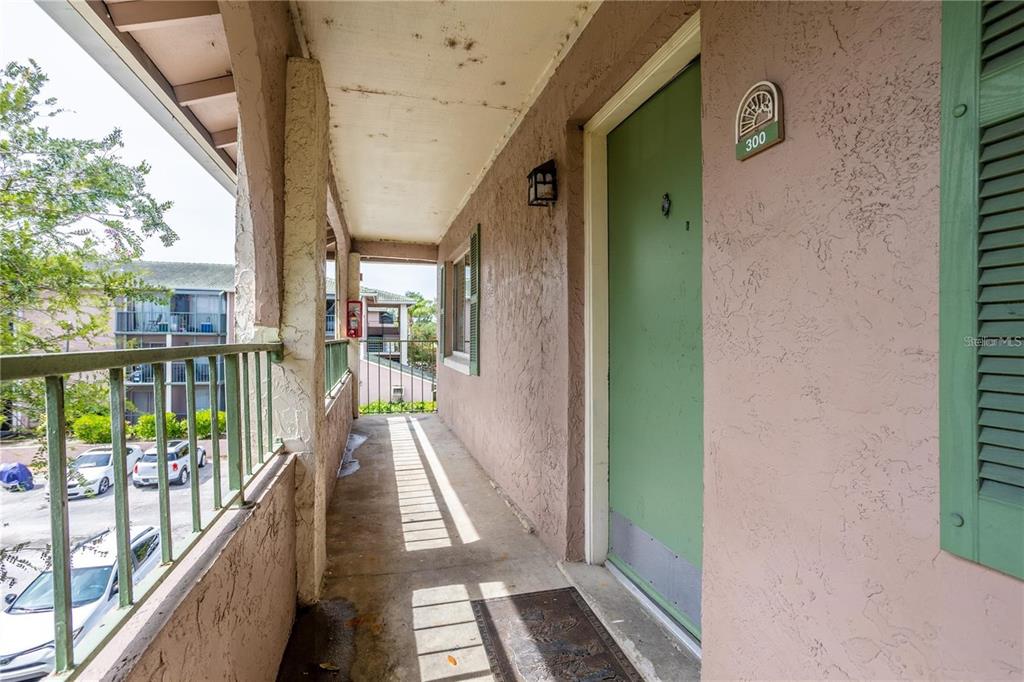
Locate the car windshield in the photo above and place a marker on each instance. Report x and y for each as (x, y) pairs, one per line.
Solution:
(149, 457)
(87, 585)
(92, 459)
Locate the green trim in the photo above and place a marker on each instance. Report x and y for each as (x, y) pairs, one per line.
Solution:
(57, 461)
(958, 281)
(441, 317)
(119, 448)
(474, 302)
(982, 513)
(14, 367)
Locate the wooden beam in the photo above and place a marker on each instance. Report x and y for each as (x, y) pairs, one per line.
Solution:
(188, 94)
(139, 15)
(389, 251)
(225, 138)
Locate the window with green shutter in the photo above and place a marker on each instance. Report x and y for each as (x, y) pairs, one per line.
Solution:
(982, 283)
(474, 302)
(442, 319)
(460, 345)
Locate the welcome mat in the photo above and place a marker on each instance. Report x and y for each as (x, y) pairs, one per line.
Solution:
(548, 636)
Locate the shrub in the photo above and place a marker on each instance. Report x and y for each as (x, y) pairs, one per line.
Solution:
(92, 428)
(203, 424)
(384, 407)
(145, 427)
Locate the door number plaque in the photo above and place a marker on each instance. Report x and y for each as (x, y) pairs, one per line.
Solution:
(758, 120)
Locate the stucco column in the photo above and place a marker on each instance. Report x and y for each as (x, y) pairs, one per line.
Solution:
(248, 261)
(299, 395)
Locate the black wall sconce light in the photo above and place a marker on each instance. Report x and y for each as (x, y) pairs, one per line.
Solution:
(543, 185)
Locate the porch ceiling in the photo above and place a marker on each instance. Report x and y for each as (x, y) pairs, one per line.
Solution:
(423, 97)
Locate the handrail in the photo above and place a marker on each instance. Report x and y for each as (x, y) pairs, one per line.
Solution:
(236, 360)
(35, 365)
(335, 363)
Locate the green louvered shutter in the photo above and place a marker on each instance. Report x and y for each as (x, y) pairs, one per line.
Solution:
(982, 283)
(442, 320)
(474, 302)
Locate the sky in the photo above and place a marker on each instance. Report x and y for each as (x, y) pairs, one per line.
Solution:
(203, 214)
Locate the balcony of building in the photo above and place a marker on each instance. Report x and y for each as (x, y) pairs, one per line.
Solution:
(419, 132)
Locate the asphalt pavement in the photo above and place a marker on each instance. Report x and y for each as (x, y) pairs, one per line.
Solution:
(25, 517)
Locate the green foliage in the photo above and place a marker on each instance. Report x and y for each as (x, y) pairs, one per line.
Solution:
(384, 407)
(145, 427)
(203, 424)
(424, 310)
(71, 215)
(81, 398)
(92, 428)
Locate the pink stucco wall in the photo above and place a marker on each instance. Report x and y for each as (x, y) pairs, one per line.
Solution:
(226, 611)
(821, 541)
(522, 418)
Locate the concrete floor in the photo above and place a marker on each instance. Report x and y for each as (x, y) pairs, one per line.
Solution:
(412, 537)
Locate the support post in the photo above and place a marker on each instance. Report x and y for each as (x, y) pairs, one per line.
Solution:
(299, 404)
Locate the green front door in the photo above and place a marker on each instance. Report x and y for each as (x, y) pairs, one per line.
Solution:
(656, 394)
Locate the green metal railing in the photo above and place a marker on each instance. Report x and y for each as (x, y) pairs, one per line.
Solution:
(397, 375)
(240, 415)
(335, 363)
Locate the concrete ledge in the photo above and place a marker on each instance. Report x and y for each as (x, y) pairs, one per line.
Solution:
(225, 611)
(655, 652)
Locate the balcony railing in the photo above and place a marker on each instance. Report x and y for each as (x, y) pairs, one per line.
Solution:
(235, 360)
(335, 363)
(143, 374)
(397, 376)
(128, 322)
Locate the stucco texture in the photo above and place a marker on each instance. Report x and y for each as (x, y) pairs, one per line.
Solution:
(299, 407)
(522, 418)
(821, 539)
(226, 611)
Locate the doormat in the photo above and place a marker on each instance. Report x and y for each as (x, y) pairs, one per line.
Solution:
(550, 635)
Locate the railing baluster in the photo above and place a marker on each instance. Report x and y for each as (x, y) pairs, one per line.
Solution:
(215, 430)
(270, 403)
(328, 374)
(119, 450)
(234, 426)
(246, 414)
(163, 484)
(193, 444)
(57, 474)
(258, 376)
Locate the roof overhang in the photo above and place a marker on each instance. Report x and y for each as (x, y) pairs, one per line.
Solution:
(120, 55)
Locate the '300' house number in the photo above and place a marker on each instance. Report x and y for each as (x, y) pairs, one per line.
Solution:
(758, 120)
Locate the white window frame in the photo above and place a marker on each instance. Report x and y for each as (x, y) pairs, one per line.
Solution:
(456, 359)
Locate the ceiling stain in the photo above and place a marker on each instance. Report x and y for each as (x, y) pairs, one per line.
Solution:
(363, 90)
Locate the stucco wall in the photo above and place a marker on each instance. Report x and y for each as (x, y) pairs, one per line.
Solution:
(337, 424)
(522, 418)
(821, 542)
(226, 612)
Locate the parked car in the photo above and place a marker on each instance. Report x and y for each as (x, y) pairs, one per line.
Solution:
(145, 472)
(92, 472)
(26, 622)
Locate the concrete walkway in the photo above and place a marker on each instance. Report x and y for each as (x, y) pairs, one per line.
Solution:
(412, 537)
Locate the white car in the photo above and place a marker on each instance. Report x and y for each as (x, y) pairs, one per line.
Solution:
(26, 622)
(92, 472)
(145, 473)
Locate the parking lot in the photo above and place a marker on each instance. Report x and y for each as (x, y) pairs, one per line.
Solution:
(25, 516)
